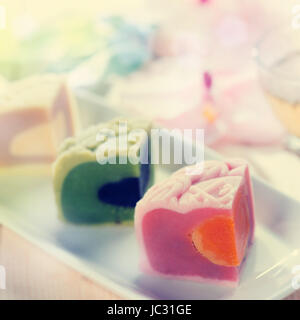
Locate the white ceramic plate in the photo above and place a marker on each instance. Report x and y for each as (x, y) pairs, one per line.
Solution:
(109, 254)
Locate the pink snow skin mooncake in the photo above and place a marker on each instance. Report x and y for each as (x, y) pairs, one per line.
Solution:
(198, 226)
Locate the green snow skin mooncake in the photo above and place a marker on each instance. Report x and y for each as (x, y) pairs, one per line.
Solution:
(101, 174)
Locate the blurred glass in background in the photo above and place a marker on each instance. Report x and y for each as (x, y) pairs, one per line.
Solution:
(278, 59)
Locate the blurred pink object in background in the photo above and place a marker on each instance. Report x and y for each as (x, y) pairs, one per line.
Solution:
(228, 103)
(247, 115)
(204, 115)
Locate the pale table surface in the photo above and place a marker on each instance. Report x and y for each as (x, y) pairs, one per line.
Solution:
(33, 274)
